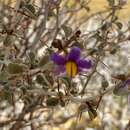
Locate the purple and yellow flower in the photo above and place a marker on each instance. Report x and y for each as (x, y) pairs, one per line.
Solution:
(71, 63)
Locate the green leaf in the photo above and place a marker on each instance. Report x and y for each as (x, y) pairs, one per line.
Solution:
(66, 81)
(6, 95)
(67, 30)
(114, 48)
(92, 51)
(8, 40)
(2, 38)
(31, 56)
(43, 60)
(105, 83)
(15, 68)
(119, 25)
(92, 112)
(49, 78)
(40, 79)
(113, 51)
(3, 77)
(48, 66)
(30, 10)
(51, 13)
(52, 101)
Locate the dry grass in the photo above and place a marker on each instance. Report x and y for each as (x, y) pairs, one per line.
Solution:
(95, 5)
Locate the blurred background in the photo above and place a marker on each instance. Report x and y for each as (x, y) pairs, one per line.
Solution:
(29, 94)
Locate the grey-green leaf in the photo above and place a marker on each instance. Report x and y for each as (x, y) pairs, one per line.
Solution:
(66, 81)
(67, 30)
(31, 56)
(9, 39)
(15, 68)
(30, 10)
(119, 25)
(52, 101)
(43, 60)
(3, 77)
(92, 112)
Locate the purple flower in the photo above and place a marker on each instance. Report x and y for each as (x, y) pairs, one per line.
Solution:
(127, 83)
(123, 88)
(70, 63)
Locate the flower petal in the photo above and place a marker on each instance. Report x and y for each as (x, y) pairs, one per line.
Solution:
(86, 64)
(74, 54)
(127, 82)
(79, 70)
(56, 58)
(121, 89)
(59, 69)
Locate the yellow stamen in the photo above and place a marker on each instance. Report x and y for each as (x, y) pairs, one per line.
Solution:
(71, 69)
